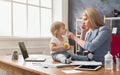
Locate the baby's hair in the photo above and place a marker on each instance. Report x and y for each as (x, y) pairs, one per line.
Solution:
(55, 27)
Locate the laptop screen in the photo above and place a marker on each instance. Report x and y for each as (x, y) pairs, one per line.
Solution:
(23, 49)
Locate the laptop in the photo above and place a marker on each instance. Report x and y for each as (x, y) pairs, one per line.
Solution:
(26, 55)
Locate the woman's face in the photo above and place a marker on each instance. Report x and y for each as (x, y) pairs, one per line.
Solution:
(86, 21)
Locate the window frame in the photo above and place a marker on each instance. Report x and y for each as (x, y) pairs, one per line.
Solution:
(63, 16)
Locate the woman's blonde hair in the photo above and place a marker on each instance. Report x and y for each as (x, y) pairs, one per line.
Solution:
(55, 27)
(95, 19)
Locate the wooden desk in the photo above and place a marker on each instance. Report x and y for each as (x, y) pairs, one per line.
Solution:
(19, 67)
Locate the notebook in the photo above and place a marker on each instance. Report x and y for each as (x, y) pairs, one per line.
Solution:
(26, 55)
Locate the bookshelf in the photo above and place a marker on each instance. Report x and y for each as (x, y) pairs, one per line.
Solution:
(78, 31)
(110, 19)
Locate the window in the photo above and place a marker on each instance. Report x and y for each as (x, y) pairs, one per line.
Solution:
(26, 18)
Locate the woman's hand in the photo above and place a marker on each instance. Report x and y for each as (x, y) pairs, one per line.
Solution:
(71, 35)
(84, 29)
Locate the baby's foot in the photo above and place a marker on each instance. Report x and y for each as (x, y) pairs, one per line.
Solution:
(90, 56)
(68, 60)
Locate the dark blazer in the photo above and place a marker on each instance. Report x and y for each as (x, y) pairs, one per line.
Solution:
(98, 43)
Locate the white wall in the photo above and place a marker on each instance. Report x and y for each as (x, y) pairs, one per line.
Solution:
(60, 12)
(34, 45)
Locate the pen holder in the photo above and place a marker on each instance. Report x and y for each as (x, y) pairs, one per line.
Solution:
(118, 64)
(15, 55)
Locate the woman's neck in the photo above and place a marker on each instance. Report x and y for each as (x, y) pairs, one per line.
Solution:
(92, 29)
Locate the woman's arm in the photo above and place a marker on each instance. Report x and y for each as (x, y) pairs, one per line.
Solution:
(103, 36)
(79, 41)
(76, 39)
(99, 40)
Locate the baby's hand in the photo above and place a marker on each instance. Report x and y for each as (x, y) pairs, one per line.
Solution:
(67, 45)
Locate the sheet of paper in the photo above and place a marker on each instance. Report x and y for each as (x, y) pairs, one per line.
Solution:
(86, 63)
(114, 30)
(65, 65)
(71, 71)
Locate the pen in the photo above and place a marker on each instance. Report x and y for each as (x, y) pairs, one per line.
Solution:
(117, 61)
(118, 55)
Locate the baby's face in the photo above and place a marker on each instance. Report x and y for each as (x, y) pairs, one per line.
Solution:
(62, 30)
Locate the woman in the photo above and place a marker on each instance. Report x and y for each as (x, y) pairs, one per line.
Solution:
(95, 36)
